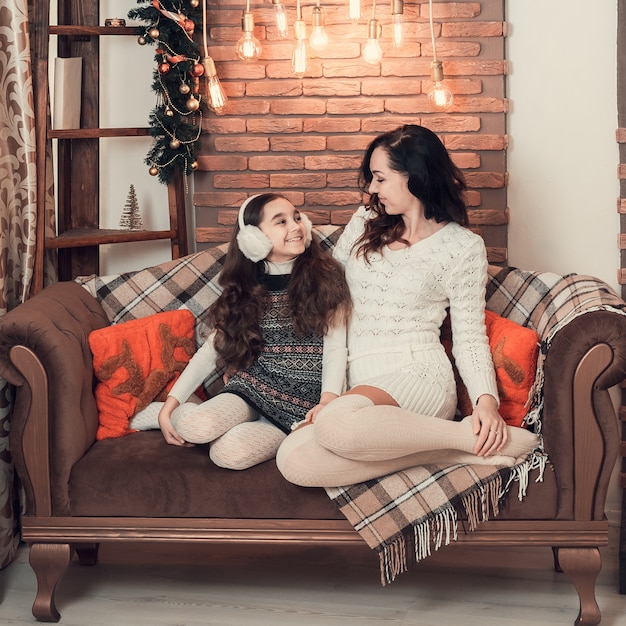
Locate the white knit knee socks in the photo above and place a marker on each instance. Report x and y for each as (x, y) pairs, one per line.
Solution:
(211, 419)
(353, 427)
(303, 461)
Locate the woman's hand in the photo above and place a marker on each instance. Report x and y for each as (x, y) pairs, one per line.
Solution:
(488, 424)
(165, 423)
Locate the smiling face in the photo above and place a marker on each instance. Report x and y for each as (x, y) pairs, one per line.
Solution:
(391, 186)
(283, 226)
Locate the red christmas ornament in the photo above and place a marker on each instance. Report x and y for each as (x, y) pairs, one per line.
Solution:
(164, 68)
(197, 69)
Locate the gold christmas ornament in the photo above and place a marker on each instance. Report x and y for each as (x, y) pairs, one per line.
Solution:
(174, 144)
(194, 3)
(184, 88)
(192, 104)
(169, 112)
(194, 165)
(141, 40)
(154, 33)
(153, 171)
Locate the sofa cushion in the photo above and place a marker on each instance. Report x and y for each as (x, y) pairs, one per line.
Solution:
(137, 362)
(142, 476)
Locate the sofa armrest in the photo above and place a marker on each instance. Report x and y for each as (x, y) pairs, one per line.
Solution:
(44, 352)
(585, 358)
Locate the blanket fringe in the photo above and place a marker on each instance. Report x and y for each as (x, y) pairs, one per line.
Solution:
(396, 557)
(441, 528)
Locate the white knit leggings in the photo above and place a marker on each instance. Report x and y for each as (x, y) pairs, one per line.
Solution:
(239, 438)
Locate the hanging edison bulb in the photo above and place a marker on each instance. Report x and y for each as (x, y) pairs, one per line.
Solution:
(319, 37)
(300, 58)
(281, 18)
(397, 12)
(354, 10)
(216, 98)
(248, 47)
(372, 52)
(440, 96)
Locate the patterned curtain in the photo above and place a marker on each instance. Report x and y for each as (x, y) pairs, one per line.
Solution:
(18, 214)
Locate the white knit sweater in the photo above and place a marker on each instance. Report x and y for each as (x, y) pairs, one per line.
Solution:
(400, 300)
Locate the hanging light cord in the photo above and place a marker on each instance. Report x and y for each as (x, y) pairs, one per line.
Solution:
(204, 37)
(432, 31)
(374, 9)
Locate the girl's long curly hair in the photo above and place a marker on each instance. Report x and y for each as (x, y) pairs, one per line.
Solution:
(318, 295)
(432, 178)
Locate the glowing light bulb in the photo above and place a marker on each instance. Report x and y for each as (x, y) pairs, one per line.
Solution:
(440, 96)
(354, 10)
(300, 60)
(319, 37)
(372, 52)
(281, 18)
(216, 98)
(398, 34)
(397, 11)
(248, 47)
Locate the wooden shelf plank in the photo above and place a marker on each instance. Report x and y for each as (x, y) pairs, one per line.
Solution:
(92, 31)
(96, 133)
(83, 237)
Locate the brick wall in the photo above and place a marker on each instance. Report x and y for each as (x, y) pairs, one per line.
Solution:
(305, 137)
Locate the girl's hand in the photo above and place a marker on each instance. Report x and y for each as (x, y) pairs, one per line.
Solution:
(488, 424)
(309, 418)
(165, 423)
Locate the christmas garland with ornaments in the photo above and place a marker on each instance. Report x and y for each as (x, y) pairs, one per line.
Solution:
(176, 120)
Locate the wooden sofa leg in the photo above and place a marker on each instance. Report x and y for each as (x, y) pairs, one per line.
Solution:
(582, 566)
(49, 561)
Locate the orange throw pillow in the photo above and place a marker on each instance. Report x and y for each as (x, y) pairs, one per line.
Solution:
(136, 363)
(514, 350)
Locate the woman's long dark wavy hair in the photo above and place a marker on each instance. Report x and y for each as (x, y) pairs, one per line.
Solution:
(432, 178)
(318, 295)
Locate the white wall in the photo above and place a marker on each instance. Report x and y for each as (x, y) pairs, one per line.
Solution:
(127, 99)
(563, 155)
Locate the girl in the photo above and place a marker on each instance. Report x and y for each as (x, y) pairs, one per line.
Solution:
(408, 257)
(279, 330)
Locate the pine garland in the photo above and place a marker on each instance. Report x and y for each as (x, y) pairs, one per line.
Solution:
(176, 120)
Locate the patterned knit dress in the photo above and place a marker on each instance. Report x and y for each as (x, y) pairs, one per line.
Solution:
(285, 380)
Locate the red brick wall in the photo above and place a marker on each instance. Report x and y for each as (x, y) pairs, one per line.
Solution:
(305, 137)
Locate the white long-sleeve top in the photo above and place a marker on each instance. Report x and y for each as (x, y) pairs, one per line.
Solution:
(399, 303)
(204, 360)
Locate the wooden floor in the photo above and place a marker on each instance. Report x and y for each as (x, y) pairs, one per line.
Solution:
(160, 585)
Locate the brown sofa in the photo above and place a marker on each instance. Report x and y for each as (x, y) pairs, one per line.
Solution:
(81, 492)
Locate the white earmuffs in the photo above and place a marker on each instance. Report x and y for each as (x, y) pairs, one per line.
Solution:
(253, 242)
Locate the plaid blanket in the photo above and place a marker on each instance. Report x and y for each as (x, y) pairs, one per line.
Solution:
(404, 515)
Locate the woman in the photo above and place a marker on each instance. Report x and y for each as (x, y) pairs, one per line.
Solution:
(408, 256)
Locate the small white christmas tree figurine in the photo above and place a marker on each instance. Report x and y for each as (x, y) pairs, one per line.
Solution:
(131, 216)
